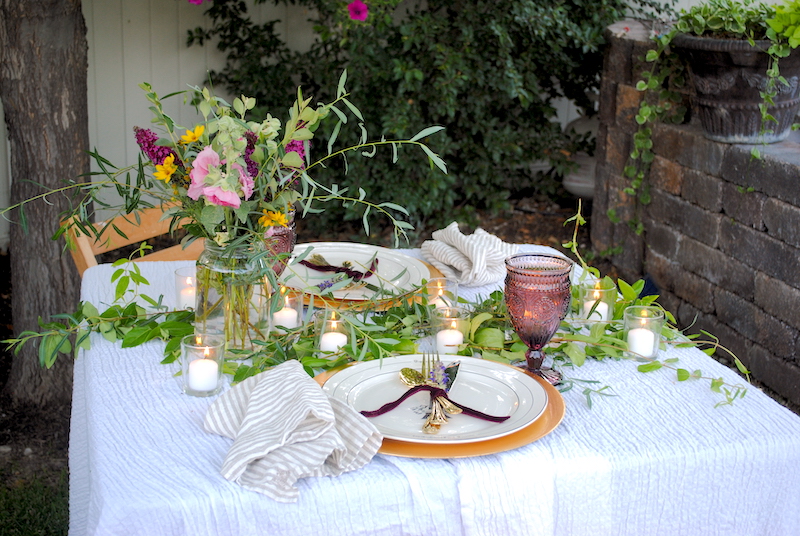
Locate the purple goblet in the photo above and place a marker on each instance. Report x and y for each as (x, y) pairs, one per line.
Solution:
(537, 297)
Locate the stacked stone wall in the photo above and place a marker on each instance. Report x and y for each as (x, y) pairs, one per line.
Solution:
(721, 233)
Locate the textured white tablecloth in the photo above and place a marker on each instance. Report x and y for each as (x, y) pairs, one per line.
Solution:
(658, 459)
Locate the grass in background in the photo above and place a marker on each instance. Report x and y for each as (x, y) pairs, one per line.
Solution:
(38, 506)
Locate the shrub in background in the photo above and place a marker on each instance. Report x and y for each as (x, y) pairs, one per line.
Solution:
(488, 71)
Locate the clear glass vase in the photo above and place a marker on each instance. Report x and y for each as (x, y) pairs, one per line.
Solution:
(233, 295)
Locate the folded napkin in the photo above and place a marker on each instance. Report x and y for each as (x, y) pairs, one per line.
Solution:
(473, 260)
(285, 428)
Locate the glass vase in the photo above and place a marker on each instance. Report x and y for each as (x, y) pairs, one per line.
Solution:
(233, 295)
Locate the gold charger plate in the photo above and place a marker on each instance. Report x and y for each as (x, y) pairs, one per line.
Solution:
(546, 423)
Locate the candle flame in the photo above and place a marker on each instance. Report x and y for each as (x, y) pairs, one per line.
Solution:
(453, 325)
(189, 281)
(596, 295)
(206, 352)
(286, 301)
(333, 325)
(441, 292)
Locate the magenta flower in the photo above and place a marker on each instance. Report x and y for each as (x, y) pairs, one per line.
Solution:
(196, 2)
(146, 139)
(358, 10)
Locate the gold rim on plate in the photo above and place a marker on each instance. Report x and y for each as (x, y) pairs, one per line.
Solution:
(546, 423)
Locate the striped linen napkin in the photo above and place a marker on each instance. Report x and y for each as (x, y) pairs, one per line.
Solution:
(284, 427)
(473, 260)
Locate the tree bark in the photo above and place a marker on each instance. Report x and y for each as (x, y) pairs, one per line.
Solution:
(43, 88)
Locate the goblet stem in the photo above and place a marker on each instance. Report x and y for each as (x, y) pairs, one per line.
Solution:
(534, 360)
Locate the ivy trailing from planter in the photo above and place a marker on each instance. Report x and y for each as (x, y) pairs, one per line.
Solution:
(662, 84)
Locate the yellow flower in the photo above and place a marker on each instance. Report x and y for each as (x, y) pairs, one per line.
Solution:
(192, 136)
(164, 171)
(271, 219)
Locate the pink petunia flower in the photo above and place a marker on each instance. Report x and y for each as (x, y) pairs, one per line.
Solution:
(217, 196)
(245, 180)
(205, 159)
(358, 10)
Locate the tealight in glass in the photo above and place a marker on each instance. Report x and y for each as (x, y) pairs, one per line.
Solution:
(331, 331)
(450, 325)
(442, 292)
(643, 325)
(202, 356)
(597, 303)
(289, 315)
(185, 287)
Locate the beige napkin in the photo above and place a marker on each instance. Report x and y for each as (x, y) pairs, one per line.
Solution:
(285, 428)
(473, 260)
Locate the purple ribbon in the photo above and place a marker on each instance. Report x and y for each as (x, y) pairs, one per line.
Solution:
(435, 393)
(354, 274)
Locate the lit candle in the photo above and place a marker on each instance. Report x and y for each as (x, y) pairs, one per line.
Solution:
(448, 340)
(331, 341)
(286, 317)
(642, 341)
(438, 301)
(602, 312)
(187, 295)
(203, 373)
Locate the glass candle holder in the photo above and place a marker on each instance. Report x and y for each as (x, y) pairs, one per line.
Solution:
(202, 356)
(597, 303)
(290, 313)
(185, 287)
(643, 326)
(442, 292)
(450, 327)
(331, 331)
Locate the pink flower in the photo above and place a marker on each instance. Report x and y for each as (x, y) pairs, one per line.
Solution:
(245, 180)
(196, 2)
(205, 159)
(217, 196)
(358, 10)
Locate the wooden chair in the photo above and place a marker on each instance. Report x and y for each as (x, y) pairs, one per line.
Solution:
(84, 249)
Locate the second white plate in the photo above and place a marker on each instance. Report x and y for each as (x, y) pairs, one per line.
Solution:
(396, 274)
(486, 386)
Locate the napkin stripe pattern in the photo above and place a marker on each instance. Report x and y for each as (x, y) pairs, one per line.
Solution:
(473, 260)
(285, 428)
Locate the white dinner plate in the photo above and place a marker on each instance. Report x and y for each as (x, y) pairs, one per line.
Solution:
(486, 386)
(396, 274)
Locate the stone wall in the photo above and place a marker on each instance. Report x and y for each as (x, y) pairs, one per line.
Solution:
(721, 235)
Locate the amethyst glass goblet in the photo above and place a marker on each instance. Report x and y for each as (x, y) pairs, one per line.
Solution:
(537, 297)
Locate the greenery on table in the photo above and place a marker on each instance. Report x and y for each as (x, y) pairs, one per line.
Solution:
(375, 333)
(490, 73)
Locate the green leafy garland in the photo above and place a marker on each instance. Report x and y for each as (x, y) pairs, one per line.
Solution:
(379, 334)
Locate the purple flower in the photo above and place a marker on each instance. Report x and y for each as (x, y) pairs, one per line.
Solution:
(147, 139)
(196, 2)
(252, 167)
(358, 10)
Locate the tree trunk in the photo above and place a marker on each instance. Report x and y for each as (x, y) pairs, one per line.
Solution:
(43, 87)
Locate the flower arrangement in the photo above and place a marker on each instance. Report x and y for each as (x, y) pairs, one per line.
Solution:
(236, 179)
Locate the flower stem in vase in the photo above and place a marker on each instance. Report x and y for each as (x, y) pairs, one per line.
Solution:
(231, 296)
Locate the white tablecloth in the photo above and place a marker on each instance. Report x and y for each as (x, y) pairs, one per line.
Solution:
(657, 459)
